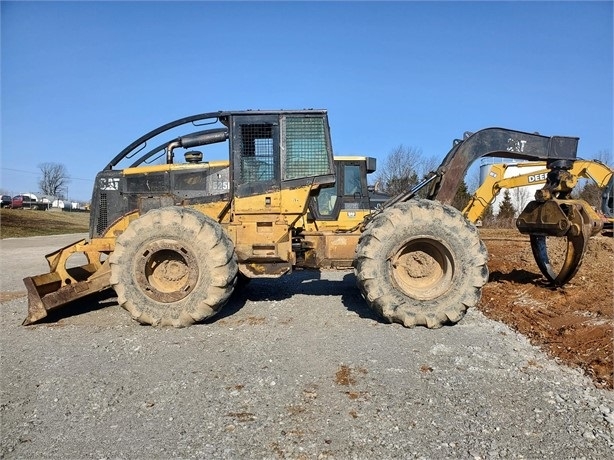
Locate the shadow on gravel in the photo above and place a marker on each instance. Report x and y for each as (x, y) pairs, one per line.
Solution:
(300, 282)
(518, 276)
(89, 304)
(353, 301)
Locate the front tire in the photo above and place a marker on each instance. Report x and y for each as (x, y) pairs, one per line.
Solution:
(172, 267)
(421, 263)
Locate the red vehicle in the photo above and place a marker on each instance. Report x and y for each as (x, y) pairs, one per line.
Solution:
(23, 201)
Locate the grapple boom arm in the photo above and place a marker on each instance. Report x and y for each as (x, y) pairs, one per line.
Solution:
(498, 142)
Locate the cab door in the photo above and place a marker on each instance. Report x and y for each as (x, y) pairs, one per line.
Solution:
(255, 151)
(348, 195)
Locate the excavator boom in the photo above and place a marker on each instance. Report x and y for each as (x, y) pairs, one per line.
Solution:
(496, 181)
(559, 217)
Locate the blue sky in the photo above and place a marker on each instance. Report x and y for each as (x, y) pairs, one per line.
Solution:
(81, 80)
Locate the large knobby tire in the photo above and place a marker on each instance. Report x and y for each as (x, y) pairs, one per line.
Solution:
(173, 267)
(421, 263)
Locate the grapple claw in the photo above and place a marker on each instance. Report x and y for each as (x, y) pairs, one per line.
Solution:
(576, 247)
(574, 220)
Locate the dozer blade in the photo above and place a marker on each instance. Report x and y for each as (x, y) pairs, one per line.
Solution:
(574, 220)
(62, 285)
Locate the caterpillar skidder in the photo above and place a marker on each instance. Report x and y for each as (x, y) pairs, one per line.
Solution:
(171, 239)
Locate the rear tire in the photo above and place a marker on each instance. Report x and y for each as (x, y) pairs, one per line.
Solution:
(421, 263)
(172, 267)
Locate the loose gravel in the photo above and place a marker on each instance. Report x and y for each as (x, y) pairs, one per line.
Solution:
(292, 368)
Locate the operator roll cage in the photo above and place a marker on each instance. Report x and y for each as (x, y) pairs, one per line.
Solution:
(141, 143)
(204, 137)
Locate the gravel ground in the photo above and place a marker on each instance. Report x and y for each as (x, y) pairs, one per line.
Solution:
(292, 368)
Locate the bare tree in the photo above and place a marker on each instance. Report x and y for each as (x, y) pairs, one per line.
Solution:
(400, 171)
(605, 157)
(429, 164)
(521, 197)
(54, 178)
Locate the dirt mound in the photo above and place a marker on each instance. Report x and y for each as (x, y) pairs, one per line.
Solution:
(574, 323)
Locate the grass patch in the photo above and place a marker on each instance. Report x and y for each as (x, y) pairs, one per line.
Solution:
(19, 223)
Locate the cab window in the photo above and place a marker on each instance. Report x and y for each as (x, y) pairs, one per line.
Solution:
(257, 154)
(306, 150)
(352, 183)
(326, 201)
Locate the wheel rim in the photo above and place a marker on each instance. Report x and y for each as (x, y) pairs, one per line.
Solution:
(166, 271)
(423, 268)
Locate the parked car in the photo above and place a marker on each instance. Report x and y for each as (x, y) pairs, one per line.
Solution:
(23, 201)
(6, 201)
